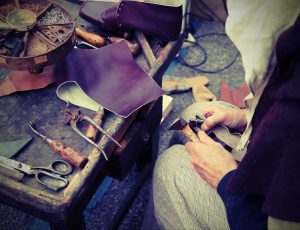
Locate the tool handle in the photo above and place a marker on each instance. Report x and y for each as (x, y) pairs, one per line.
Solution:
(69, 154)
(188, 132)
(91, 38)
(92, 131)
(133, 47)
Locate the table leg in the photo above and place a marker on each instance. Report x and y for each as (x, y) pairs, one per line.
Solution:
(75, 221)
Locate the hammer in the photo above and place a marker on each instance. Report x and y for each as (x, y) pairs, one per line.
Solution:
(183, 125)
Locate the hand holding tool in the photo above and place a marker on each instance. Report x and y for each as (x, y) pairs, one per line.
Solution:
(68, 153)
(182, 124)
(73, 116)
(54, 171)
(229, 138)
(94, 39)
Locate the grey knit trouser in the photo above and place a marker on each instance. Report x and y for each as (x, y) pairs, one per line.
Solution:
(182, 200)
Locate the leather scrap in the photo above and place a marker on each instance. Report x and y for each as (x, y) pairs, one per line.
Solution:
(10, 148)
(235, 97)
(201, 93)
(111, 77)
(24, 80)
(71, 92)
(183, 84)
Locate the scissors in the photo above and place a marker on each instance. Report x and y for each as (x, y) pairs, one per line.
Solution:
(54, 171)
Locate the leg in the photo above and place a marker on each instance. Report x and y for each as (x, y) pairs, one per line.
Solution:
(182, 200)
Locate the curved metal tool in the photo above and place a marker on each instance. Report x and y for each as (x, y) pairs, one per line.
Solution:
(73, 116)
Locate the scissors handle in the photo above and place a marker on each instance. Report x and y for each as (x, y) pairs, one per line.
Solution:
(59, 167)
(63, 182)
(58, 164)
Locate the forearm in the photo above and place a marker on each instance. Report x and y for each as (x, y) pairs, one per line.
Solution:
(243, 211)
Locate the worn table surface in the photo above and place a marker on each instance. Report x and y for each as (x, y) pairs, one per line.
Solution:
(44, 109)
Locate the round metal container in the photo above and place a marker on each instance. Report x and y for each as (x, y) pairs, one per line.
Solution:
(41, 33)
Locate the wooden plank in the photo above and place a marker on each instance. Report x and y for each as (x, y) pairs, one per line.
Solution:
(147, 51)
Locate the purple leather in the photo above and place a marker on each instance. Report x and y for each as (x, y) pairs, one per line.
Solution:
(92, 12)
(161, 21)
(111, 77)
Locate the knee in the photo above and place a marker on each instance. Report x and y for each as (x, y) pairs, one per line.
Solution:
(170, 163)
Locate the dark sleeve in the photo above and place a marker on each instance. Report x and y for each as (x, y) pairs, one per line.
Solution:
(243, 211)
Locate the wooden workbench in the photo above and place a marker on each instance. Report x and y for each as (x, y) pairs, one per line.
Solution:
(64, 209)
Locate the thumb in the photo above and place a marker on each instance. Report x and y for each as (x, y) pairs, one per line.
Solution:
(204, 138)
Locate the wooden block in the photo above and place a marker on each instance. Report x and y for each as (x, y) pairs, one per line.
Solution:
(167, 106)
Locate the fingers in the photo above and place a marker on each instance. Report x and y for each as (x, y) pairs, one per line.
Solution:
(209, 111)
(210, 122)
(205, 139)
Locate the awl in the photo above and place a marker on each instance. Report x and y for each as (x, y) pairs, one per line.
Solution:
(70, 154)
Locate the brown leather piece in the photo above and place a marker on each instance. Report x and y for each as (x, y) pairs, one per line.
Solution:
(236, 96)
(24, 80)
(201, 93)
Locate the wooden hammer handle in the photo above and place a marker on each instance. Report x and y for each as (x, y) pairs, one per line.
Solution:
(94, 39)
(92, 131)
(188, 132)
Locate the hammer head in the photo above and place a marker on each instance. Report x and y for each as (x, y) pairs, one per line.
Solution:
(178, 124)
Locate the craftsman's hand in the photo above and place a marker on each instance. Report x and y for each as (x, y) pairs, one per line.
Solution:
(230, 117)
(211, 161)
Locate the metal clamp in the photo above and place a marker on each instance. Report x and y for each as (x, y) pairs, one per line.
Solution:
(73, 116)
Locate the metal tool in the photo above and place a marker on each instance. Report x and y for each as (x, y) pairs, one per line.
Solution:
(54, 171)
(68, 153)
(73, 116)
(8, 149)
(80, 43)
(196, 123)
(182, 124)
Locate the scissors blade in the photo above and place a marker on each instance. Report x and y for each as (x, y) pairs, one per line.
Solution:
(12, 164)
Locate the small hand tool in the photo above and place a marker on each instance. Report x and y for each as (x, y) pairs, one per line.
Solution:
(196, 123)
(82, 44)
(92, 131)
(68, 153)
(182, 124)
(54, 171)
(92, 38)
(73, 116)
